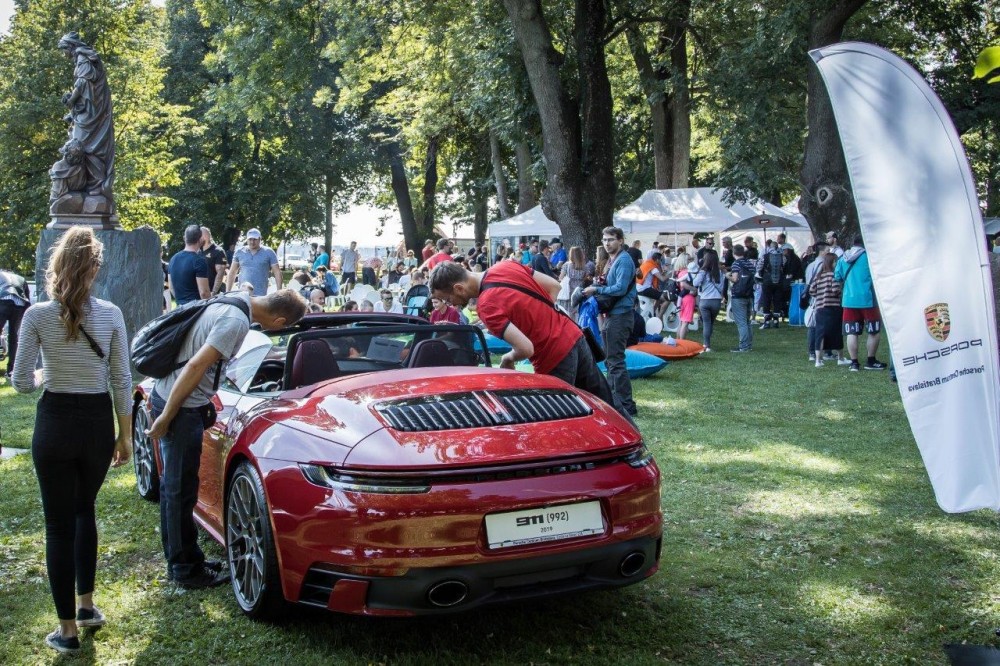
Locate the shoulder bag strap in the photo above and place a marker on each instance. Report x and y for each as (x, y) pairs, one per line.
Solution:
(93, 343)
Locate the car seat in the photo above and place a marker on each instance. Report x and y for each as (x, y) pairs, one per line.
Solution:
(430, 354)
(313, 362)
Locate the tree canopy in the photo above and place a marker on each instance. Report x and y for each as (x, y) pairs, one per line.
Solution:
(280, 114)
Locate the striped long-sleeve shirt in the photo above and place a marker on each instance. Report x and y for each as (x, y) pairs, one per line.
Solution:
(825, 290)
(71, 366)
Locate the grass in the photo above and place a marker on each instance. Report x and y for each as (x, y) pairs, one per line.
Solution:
(800, 528)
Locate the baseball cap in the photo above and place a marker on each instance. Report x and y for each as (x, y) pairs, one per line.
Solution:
(254, 233)
(554, 240)
(693, 267)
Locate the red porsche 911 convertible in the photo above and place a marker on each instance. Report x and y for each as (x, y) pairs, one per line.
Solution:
(376, 465)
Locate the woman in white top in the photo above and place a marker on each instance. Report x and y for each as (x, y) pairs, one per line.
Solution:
(84, 348)
(709, 282)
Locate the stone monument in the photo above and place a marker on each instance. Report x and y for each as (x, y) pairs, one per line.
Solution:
(83, 180)
(82, 194)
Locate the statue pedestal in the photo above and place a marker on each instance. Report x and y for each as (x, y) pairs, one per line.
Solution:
(97, 221)
(131, 275)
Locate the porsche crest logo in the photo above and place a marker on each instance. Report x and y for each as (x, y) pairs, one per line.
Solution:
(938, 321)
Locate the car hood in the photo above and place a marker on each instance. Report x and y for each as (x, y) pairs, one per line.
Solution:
(355, 415)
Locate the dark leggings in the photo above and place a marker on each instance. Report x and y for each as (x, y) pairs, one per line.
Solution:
(709, 308)
(71, 448)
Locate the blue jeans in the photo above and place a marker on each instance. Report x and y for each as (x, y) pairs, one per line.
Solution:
(740, 310)
(180, 451)
(616, 331)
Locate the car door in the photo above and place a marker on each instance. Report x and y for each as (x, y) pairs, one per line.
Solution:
(231, 403)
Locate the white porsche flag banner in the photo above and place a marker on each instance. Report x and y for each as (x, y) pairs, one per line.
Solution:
(923, 231)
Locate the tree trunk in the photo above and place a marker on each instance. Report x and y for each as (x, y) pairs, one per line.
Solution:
(652, 87)
(401, 188)
(328, 208)
(527, 198)
(503, 197)
(680, 97)
(576, 131)
(430, 182)
(482, 218)
(827, 201)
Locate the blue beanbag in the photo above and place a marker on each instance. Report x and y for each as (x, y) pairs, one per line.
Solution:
(493, 343)
(639, 364)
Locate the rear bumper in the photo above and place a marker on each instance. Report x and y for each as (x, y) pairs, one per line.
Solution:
(430, 591)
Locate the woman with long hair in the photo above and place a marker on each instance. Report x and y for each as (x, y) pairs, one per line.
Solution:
(575, 269)
(709, 283)
(86, 378)
(826, 292)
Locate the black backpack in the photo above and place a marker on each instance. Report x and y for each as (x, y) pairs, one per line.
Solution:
(743, 287)
(156, 345)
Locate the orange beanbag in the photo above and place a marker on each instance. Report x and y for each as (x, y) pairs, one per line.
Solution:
(683, 349)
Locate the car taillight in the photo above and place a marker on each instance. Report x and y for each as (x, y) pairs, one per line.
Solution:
(328, 477)
(641, 457)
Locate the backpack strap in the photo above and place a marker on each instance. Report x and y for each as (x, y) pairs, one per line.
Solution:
(245, 309)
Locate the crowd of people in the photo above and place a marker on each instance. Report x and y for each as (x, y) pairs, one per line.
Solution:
(533, 297)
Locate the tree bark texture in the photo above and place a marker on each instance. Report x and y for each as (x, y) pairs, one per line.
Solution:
(827, 201)
(527, 197)
(401, 189)
(576, 129)
(430, 182)
(652, 87)
(503, 197)
(680, 96)
(328, 210)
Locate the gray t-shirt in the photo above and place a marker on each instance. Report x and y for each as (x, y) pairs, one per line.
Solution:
(256, 268)
(349, 261)
(221, 325)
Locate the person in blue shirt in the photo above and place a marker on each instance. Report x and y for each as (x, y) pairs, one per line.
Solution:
(619, 282)
(187, 273)
(330, 285)
(322, 259)
(558, 257)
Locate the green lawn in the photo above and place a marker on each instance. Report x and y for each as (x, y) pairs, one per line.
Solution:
(800, 528)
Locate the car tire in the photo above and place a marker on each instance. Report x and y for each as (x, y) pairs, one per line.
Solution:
(147, 478)
(253, 562)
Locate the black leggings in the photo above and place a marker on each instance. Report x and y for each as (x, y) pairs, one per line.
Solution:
(72, 447)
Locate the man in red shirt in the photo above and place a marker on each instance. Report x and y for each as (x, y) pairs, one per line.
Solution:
(428, 250)
(441, 255)
(517, 304)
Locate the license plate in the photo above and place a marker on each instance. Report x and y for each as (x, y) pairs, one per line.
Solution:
(518, 528)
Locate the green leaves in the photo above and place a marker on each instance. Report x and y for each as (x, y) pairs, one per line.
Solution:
(988, 65)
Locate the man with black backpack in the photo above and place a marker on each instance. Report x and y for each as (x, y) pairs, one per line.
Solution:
(182, 407)
(741, 278)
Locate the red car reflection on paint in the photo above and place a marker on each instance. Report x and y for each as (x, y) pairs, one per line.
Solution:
(376, 465)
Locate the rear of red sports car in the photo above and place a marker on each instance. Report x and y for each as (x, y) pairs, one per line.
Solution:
(416, 492)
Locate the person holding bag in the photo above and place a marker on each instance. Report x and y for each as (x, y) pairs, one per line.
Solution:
(87, 383)
(826, 293)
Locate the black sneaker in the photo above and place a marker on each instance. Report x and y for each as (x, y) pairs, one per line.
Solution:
(203, 579)
(875, 365)
(855, 367)
(62, 645)
(215, 566)
(89, 617)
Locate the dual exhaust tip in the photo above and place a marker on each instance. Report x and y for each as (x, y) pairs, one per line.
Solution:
(450, 593)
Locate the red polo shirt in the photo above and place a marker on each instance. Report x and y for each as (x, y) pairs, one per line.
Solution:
(552, 334)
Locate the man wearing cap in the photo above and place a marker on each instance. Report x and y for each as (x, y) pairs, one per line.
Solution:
(558, 254)
(252, 263)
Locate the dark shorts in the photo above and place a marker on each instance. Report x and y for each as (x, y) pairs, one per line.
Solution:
(858, 315)
(650, 292)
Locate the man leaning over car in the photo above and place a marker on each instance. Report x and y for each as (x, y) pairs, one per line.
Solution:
(179, 403)
(517, 304)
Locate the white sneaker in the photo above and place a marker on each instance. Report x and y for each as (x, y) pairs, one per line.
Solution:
(812, 357)
(819, 363)
(843, 361)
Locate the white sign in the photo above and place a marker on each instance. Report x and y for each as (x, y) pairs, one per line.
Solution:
(518, 528)
(923, 230)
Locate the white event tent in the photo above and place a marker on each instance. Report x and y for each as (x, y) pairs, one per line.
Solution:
(663, 212)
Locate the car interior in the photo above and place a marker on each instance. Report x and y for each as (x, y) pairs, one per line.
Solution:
(316, 355)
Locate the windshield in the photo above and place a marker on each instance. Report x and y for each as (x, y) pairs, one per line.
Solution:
(273, 363)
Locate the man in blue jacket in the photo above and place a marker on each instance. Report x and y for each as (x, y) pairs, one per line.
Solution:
(619, 284)
(859, 305)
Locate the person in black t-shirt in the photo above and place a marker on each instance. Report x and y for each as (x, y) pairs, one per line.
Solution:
(215, 258)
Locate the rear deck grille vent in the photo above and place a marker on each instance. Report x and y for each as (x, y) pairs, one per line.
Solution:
(482, 409)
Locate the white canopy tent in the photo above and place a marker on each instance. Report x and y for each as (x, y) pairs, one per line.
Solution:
(529, 223)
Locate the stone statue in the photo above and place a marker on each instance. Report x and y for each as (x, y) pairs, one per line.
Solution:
(83, 180)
